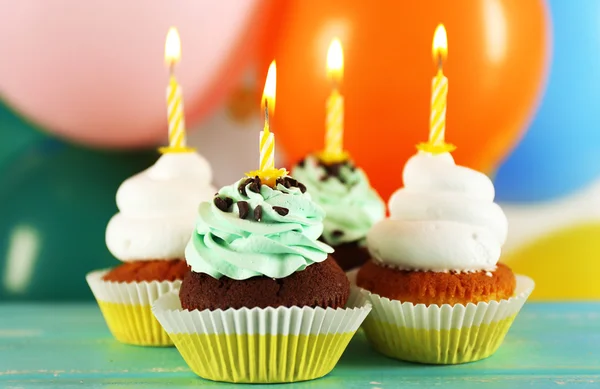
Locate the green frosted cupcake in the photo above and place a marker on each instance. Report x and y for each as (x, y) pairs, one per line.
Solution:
(262, 291)
(351, 205)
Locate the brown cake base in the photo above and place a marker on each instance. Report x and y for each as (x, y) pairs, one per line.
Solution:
(431, 288)
(157, 270)
(351, 255)
(320, 285)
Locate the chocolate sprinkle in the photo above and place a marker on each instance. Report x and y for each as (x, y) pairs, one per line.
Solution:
(289, 182)
(281, 210)
(255, 186)
(302, 163)
(258, 213)
(335, 169)
(228, 201)
(337, 233)
(221, 204)
(242, 187)
(244, 209)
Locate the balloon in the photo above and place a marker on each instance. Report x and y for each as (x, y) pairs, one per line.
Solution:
(94, 72)
(495, 66)
(564, 264)
(55, 202)
(15, 134)
(559, 153)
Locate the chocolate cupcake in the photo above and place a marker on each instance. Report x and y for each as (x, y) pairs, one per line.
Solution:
(149, 234)
(323, 284)
(258, 270)
(257, 235)
(351, 205)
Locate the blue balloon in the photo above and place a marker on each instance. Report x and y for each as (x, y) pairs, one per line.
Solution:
(560, 152)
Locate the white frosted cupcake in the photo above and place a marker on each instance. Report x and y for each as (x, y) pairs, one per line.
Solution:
(157, 212)
(439, 294)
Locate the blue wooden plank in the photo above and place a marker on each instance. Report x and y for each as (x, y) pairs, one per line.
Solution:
(47, 346)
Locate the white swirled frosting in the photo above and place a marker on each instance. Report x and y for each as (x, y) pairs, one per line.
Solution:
(158, 208)
(444, 219)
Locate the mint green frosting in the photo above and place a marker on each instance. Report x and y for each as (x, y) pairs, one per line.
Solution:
(351, 205)
(277, 246)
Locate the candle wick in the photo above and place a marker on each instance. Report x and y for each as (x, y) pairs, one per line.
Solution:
(335, 83)
(267, 114)
(172, 68)
(440, 62)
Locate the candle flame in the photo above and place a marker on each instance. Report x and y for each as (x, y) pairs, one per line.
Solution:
(440, 43)
(172, 46)
(335, 60)
(269, 91)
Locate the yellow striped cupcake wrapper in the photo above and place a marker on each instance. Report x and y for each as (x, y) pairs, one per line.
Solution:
(271, 345)
(442, 335)
(127, 308)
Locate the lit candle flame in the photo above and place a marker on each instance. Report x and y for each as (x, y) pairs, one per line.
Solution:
(268, 96)
(440, 44)
(172, 47)
(335, 60)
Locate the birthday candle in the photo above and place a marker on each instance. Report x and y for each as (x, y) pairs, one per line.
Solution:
(439, 95)
(267, 140)
(334, 124)
(439, 90)
(176, 116)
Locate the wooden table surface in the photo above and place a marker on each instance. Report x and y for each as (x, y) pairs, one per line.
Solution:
(64, 346)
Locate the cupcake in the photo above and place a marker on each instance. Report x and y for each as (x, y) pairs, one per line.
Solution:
(263, 301)
(157, 212)
(351, 205)
(439, 294)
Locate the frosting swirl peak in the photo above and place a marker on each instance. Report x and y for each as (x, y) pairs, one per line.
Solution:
(444, 219)
(254, 230)
(158, 208)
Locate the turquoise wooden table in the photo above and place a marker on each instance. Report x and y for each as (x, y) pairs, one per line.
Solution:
(64, 346)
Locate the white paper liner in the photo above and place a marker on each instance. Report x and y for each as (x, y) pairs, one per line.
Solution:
(133, 293)
(435, 317)
(262, 321)
(441, 334)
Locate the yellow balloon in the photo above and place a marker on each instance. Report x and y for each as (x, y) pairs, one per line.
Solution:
(564, 265)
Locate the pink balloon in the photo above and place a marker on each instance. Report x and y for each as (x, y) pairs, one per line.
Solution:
(93, 71)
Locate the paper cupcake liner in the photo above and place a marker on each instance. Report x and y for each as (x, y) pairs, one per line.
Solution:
(442, 335)
(127, 308)
(261, 345)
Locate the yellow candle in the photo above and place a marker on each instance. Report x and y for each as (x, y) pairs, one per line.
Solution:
(439, 95)
(334, 122)
(437, 121)
(267, 172)
(177, 140)
(267, 139)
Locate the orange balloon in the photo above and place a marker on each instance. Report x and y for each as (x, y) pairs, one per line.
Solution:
(497, 56)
